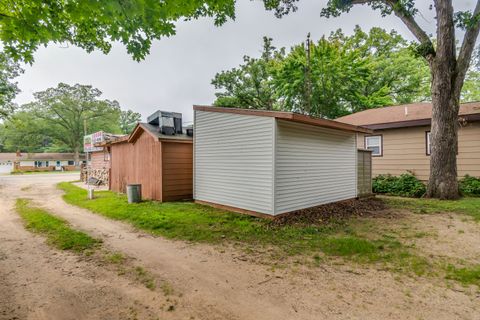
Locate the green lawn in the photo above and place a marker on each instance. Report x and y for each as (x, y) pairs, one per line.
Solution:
(468, 206)
(198, 223)
(58, 232)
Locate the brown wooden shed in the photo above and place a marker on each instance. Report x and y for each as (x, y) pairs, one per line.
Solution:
(162, 164)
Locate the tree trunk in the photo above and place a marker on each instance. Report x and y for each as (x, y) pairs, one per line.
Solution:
(76, 157)
(443, 182)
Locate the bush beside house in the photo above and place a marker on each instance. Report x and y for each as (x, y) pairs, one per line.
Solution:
(470, 186)
(405, 185)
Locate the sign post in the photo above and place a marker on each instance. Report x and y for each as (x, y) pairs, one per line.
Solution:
(89, 142)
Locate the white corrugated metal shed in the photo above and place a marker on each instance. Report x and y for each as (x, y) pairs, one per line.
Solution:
(269, 163)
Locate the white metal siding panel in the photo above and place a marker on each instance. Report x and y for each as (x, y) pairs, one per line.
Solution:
(233, 160)
(313, 166)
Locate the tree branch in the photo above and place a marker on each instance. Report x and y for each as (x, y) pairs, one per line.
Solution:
(411, 24)
(466, 50)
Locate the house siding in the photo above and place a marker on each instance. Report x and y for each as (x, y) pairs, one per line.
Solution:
(233, 160)
(313, 166)
(404, 150)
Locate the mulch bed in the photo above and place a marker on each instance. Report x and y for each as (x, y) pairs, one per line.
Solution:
(366, 207)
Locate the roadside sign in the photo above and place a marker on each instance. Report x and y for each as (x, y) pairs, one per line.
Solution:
(90, 140)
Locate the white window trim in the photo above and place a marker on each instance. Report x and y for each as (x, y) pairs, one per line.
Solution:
(380, 145)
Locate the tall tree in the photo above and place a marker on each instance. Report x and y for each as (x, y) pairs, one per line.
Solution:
(448, 69)
(128, 120)
(323, 79)
(8, 89)
(250, 85)
(332, 77)
(68, 109)
(24, 132)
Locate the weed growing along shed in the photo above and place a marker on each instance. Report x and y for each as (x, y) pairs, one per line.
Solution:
(268, 163)
(157, 155)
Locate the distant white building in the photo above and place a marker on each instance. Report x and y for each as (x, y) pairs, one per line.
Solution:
(10, 162)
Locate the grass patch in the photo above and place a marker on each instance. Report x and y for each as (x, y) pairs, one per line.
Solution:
(466, 276)
(61, 236)
(144, 277)
(198, 223)
(468, 206)
(115, 258)
(58, 232)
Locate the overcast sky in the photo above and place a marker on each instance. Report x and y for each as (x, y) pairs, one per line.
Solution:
(178, 71)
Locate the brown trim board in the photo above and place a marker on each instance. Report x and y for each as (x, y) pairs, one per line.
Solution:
(289, 116)
(417, 122)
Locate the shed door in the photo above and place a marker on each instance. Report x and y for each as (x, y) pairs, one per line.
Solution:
(6, 167)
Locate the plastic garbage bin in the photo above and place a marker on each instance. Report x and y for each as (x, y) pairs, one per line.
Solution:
(134, 193)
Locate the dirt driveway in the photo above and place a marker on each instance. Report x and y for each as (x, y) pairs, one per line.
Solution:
(38, 282)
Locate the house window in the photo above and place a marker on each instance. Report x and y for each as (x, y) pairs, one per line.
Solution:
(375, 144)
(71, 162)
(428, 147)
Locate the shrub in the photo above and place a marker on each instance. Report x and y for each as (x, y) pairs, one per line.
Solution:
(470, 186)
(406, 185)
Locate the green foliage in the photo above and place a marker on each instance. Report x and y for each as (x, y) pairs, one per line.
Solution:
(341, 74)
(406, 185)
(26, 25)
(25, 132)
(250, 85)
(57, 231)
(8, 89)
(469, 186)
(128, 120)
(64, 110)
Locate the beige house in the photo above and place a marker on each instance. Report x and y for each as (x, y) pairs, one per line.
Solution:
(401, 138)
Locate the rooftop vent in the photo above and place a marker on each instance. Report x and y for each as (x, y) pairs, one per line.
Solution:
(169, 123)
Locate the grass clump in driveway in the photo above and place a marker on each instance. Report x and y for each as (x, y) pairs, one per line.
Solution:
(57, 230)
(465, 275)
(199, 223)
(468, 206)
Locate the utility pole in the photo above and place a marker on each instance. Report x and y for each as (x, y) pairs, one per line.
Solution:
(308, 82)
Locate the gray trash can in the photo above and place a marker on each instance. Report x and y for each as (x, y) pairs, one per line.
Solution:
(134, 193)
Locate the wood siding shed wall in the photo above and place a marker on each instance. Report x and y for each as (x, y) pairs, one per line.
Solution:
(99, 160)
(234, 160)
(139, 162)
(177, 171)
(404, 149)
(313, 166)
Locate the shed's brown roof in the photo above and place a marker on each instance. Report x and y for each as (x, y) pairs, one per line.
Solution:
(24, 156)
(402, 115)
(290, 116)
(154, 131)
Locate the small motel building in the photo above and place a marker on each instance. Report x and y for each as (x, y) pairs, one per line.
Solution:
(21, 161)
(400, 141)
(267, 163)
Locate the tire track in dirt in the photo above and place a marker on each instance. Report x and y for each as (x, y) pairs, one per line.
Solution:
(215, 285)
